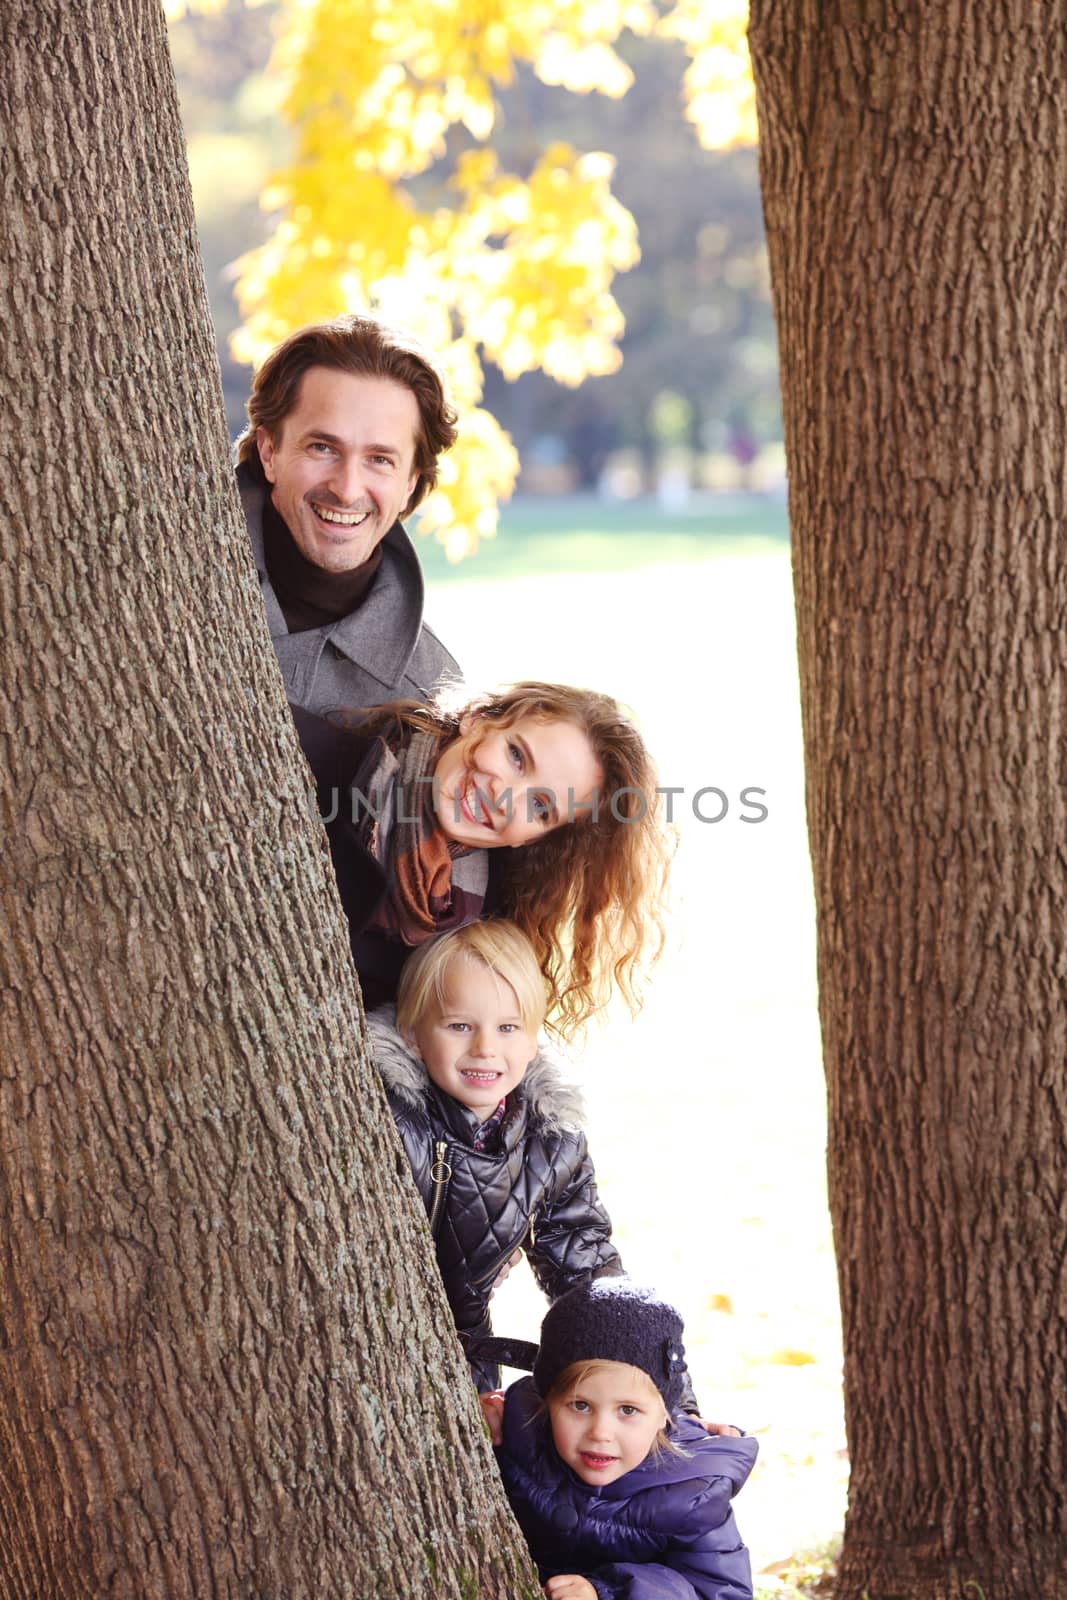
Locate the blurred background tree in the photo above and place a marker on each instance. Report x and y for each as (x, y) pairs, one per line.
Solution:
(387, 150)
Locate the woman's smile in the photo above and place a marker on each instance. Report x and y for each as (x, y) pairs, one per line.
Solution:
(476, 804)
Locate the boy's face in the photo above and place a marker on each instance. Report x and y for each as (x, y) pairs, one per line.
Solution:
(476, 1047)
(607, 1423)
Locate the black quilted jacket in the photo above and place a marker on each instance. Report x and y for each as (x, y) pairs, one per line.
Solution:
(538, 1193)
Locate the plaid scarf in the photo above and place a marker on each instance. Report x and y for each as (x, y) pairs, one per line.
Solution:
(433, 885)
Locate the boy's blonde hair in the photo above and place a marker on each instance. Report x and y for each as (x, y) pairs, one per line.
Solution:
(498, 945)
(575, 1375)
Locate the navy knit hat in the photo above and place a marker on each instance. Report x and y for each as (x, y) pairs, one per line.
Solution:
(613, 1319)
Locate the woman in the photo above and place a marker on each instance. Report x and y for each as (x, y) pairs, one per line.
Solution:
(537, 803)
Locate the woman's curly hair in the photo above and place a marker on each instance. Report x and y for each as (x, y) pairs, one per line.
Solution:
(590, 895)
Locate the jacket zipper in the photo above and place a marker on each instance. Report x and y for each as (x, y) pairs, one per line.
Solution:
(440, 1173)
(527, 1233)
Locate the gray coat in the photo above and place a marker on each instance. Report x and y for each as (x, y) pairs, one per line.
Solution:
(383, 651)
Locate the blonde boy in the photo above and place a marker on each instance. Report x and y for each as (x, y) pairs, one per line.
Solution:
(491, 1127)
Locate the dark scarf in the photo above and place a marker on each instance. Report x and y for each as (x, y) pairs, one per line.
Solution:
(433, 884)
(308, 596)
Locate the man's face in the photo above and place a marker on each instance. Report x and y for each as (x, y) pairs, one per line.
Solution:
(342, 465)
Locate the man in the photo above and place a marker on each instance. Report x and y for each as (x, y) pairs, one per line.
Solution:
(346, 421)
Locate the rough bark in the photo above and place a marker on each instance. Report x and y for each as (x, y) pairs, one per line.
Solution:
(914, 170)
(224, 1369)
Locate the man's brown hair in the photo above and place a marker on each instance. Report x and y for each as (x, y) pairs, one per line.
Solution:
(369, 349)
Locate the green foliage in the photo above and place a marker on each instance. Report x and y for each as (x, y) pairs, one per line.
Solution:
(671, 417)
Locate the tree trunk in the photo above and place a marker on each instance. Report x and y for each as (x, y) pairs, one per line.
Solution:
(224, 1369)
(914, 169)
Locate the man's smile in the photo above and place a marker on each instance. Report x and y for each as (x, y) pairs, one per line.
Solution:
(343, 519)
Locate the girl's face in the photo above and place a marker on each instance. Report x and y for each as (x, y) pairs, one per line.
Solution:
(509, 786)
(605, 1426)
(475, 1046)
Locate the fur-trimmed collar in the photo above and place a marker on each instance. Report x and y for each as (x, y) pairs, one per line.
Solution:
(553, 1103)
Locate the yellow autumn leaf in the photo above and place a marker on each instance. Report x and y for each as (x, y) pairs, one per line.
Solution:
(543, 299)
(475, 475)
(516, 270)
(720, 94)
(792, 1358)
(591, 66)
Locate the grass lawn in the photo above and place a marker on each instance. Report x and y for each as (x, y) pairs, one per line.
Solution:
(579, 534)
(707, 1115)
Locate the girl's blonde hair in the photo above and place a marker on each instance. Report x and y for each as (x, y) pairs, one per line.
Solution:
(572, 1378)
(498, 945)
(590, 895)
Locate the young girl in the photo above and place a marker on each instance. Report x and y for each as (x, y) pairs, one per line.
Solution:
(618, 1493)
(490, 1126)
(537, 803)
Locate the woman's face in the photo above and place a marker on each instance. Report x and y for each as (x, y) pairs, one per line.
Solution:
(509, 786)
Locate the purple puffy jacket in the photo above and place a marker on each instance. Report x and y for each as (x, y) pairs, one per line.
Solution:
(664, 1531)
